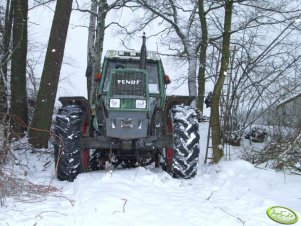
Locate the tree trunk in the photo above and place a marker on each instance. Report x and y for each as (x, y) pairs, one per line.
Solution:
(192, 64)
(203, 56)
(42, 117)
(3, 97)
(5, 56)
(7, 35)
(18, 68)
(215, 116)
(91, 41)
(98, 49)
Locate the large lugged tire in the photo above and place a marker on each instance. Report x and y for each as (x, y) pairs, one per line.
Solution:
(182, 159)
(70, 160)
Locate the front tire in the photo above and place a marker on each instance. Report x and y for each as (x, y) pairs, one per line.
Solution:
(70, 159)
(182, 158)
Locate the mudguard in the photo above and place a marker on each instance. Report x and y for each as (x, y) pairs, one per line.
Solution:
(175, 100)
(76, 100)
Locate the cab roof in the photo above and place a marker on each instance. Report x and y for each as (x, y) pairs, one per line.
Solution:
(121, 54)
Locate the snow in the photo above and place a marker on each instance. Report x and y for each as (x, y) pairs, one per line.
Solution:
(289, 99)
(228, 194)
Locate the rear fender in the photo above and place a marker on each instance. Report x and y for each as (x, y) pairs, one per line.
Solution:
(76, 100)
(175, 100)
(84, 103)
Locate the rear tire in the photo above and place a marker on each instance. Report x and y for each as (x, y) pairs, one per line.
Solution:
(182, 159)
(70, 159)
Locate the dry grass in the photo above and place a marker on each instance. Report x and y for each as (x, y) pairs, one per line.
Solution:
(13, 181)
(282, 153)
(21, 189)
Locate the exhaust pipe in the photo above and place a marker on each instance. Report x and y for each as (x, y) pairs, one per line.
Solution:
(143, 53)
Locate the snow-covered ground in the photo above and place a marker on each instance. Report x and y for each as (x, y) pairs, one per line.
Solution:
(228, 194)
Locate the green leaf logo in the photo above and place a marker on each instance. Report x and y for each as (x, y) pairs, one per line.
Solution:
(282, 215)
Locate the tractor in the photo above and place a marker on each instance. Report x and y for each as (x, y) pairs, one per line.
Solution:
(131, 121)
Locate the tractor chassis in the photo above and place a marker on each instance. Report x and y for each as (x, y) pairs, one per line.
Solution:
(147, 143)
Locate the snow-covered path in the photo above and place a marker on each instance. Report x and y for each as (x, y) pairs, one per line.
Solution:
(228, 194)
(233, 193)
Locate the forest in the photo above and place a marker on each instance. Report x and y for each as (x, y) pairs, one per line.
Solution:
(241, 56)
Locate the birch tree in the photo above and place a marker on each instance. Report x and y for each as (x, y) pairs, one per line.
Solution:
(90, 47)
(95, 47)
(96, 31)
(6, 28)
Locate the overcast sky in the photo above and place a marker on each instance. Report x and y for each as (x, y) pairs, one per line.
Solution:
(72, 78)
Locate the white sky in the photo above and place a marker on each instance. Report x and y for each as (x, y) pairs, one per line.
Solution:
(72, 78)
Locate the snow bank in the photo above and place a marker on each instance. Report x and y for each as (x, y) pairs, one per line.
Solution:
(231, 193)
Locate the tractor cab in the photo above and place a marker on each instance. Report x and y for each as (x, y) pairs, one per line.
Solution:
(122, 61)
(130, 94)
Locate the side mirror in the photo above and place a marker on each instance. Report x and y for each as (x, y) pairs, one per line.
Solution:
(166, 80)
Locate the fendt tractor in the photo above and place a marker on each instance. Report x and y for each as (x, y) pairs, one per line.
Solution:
(130, 123)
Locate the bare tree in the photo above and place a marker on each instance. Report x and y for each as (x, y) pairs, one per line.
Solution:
(90, 49)
(42, 118)
(95, 57)
(180, 30)
(203, 54)
(96, 32)
(6, 34)
(6, 28)
(18, 68)
(260, 70)
(215, 116)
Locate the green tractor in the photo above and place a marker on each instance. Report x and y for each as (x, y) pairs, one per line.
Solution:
(130, 123)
